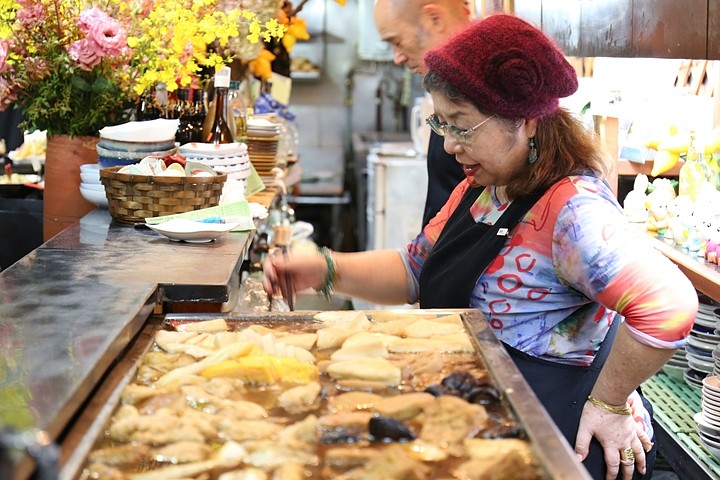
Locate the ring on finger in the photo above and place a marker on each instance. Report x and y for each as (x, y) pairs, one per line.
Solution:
(627, 463)
(627, 455)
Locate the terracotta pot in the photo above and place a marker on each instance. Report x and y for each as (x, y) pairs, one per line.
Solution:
(62, 203)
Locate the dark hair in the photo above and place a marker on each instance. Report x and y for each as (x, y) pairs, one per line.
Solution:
(565, 146)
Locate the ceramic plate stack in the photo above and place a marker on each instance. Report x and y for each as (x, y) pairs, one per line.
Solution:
(90, 187)
(229, 158)
(708, 419)
(702, 342)
(262, 144)
(128, 143)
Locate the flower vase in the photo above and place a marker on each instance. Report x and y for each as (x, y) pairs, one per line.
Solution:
(63, 204)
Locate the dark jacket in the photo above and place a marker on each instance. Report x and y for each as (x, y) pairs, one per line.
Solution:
(444, 174)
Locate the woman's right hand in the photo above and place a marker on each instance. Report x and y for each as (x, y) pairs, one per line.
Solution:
(303, 267)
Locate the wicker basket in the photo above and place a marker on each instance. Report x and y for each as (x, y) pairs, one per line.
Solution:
(133, 198)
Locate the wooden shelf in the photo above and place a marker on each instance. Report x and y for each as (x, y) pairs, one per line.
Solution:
(704, 275)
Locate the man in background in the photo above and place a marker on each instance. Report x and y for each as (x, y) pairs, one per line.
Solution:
(412, 27)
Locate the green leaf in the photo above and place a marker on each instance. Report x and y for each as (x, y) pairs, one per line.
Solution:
(80, 83)
(102, 84)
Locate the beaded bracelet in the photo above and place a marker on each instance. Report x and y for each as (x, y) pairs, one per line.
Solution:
(626, 410)
(327, 286)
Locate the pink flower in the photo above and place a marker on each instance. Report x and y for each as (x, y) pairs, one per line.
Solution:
(32, 14)
(91, 17)
(4, 52)
(109, 36)
(105, 31)
(85, 52)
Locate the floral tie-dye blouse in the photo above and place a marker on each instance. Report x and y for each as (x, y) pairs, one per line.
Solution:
(565, 271)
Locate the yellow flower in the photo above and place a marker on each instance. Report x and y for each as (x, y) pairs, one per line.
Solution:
(260, 67)
(297, 30)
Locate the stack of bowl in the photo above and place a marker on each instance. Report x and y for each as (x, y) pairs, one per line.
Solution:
(229, 158)
(702, 343)
(90, 187)
(262, 143)
(708, 419)
(130, 142)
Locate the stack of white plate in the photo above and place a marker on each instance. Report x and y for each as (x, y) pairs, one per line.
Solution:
(90, 187)
(708, 419)
(229, 158)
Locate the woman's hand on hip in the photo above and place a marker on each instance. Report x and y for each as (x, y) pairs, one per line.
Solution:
(622, 440)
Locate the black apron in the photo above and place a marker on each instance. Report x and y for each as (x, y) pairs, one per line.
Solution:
(461, 254)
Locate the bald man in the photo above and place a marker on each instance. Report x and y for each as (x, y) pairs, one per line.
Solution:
(412, 27)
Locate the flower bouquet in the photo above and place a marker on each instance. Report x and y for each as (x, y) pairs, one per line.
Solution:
(74, 68)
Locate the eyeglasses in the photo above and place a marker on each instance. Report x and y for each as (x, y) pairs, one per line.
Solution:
(442, 129)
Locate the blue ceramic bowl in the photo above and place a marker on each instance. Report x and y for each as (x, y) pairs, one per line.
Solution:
(116, 145)
(114, 158)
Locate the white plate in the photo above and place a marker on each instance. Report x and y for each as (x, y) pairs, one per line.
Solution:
(158, 130)
(192, 231)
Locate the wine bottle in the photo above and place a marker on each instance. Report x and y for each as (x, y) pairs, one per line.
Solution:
(220, 131)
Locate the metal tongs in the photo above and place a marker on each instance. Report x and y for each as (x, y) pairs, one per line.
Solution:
(282, 236)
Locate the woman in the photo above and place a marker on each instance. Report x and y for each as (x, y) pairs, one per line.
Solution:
(556, 285)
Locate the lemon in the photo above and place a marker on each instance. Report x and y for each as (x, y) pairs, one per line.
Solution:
(664, 161)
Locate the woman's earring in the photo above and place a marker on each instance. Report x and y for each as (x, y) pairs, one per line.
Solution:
(533, 153)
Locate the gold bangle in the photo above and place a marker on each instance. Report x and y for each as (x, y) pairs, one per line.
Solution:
(625, 410)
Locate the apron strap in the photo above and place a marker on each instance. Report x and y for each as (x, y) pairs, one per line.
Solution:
(464, 250)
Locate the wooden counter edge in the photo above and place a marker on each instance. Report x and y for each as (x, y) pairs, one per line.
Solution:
(703, 277)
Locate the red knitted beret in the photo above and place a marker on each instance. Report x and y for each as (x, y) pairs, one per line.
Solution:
(505, 66)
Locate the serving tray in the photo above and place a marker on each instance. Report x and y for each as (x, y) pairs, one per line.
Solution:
(551, 452)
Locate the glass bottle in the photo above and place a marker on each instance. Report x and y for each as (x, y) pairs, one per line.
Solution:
(238, 110)
(220, 130)
(148, 109)
(198, 115)
(183, 111)
(694, 171)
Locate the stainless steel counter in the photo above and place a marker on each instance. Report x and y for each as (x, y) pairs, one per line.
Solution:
(71, 306)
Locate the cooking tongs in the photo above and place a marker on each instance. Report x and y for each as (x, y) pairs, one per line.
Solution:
(282, 237)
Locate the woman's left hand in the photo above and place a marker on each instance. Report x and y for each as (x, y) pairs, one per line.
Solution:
(616, 433)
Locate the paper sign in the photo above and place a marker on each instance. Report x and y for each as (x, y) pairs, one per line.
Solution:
(230, 212)
(253, 183)
(281, 88)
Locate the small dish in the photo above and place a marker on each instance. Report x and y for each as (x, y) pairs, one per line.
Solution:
(99, 187)
(712, 383)
(181, 229)
(94, 196)
(704, 426)
(90, 177)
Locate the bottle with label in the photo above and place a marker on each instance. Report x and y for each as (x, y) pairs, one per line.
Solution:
(220, 131)
(694, 172)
